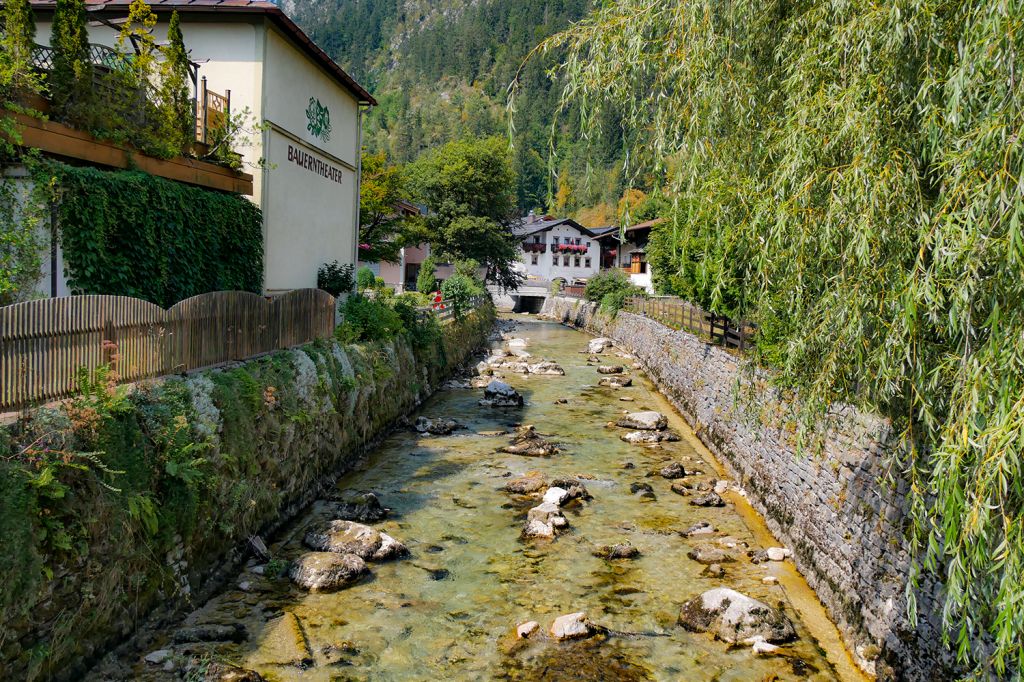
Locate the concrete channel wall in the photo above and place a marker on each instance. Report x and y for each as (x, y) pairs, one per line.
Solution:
(833, 508)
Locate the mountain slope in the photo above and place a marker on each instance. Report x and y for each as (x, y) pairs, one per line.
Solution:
(440, 69)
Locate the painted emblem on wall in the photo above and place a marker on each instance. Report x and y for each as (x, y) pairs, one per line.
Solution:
(319, 119)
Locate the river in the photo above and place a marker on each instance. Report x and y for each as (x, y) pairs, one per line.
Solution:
(450, 609)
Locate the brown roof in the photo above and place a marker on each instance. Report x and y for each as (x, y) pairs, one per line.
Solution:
(236, 7)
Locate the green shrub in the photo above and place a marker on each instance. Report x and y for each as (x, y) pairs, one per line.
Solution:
(365, 319)
(365, 279)
(425, 280)
(335, 278)
(611, 288)
(457, 290)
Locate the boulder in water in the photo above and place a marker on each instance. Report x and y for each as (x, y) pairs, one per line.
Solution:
(525, 485)
(326, 571)
(645, 421)
(441, 426)
(530, 443)
(599, 345)
(365, 508)
(547, 368)
(620, 551)
(648, 437)
(225, 672)
(347, 537)
(734, 617)
(574, 488)
(524, 630)
(699, 528)
(610, 369)
(616, 381)
(673, 470)
(709, 500)
(499, 394)
(709, 554)
(572, 626)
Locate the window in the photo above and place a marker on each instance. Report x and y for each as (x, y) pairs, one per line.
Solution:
(576, 261)
(533, 259)
(565, 261)
(586, 262)
(554, 260)
(554, 241)
(536, 239)
(578, 240)
(588, 245)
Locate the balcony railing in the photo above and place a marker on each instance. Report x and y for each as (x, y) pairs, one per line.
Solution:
(535, 248)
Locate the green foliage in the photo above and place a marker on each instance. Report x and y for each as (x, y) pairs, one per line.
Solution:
(426, 279)
(383, 228)
(366, 319)
(18, 78)
(335, 278)
(456, 291)
(177, 124)
(24, 213)
(133, 234)
(70, 81)
(857, 166)
(611, 288)
(365, 279)
(468, 187)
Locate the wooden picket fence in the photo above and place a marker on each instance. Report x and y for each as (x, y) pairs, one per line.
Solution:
(679, 314)
(45, 344)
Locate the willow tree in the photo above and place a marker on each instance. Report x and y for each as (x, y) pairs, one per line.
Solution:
(859, 165)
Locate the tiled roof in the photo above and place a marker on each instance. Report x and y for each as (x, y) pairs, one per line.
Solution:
(235, 7)
(525, 227)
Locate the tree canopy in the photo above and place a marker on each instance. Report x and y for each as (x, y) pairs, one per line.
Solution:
(849, 174)
(383, 227)
(468, 187)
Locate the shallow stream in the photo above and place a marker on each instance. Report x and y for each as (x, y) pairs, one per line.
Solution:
(449, 611)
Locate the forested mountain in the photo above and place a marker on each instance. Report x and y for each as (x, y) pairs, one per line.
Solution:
(440, 69)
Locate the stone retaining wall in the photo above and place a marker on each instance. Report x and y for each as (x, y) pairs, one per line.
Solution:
(193, 467)
(845, 527)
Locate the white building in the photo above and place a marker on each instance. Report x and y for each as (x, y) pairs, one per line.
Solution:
(630, 255)
(557, 249)
(305, 116)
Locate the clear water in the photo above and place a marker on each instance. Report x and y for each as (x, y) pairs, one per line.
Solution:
(449, 611)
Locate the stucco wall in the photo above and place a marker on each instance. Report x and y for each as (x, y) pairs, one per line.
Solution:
(546, 270)
(845, 526)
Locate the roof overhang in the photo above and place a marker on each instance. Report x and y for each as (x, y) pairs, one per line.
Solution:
(234, 9)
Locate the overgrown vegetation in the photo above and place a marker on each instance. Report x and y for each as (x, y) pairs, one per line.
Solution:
(97, 492)
(336, 278)
(850, 175)
(611, 288)
(133, 234)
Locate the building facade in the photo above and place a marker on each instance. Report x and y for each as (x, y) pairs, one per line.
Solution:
(302, 118)
(557, 249)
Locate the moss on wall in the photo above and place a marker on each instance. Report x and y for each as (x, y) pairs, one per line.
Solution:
(121, 501)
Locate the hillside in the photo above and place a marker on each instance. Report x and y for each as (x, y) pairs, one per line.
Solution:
(440, 69)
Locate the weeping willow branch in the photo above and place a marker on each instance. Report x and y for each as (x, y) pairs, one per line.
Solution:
(851, 175)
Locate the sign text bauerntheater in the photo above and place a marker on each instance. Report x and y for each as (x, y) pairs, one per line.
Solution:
(313, 164)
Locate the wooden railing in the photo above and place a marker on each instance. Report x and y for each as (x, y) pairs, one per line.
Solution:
(679, 314)
(45, 344)
(446, 314)
(213, 112)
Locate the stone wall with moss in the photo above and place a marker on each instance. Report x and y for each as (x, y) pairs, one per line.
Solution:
(840, 507)
(128, 504)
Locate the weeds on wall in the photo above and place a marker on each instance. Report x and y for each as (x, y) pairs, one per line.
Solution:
(133, 234)
(125, 478)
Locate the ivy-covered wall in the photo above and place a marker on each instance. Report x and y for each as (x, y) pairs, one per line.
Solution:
(134, 234)
(117, 502)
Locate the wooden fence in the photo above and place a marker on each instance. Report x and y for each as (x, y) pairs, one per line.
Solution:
(679, 314)
(44, 344)
(572, 290)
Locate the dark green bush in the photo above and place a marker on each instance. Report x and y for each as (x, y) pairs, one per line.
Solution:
(365, 319)
(611, 288)
(335, 278)
(365, 279)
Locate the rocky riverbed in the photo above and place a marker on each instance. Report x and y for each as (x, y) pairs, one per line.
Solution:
(537, 521)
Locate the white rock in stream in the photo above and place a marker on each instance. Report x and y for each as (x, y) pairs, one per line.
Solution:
(734, 617)
(778, 553)
(524, 630)
(572, 626)
(648, 421)
(556, 495)
(599, 345)
(326, 571)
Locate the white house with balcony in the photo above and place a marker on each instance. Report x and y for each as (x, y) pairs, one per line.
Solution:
(557, 249)
(304, 125)
(629, 254)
